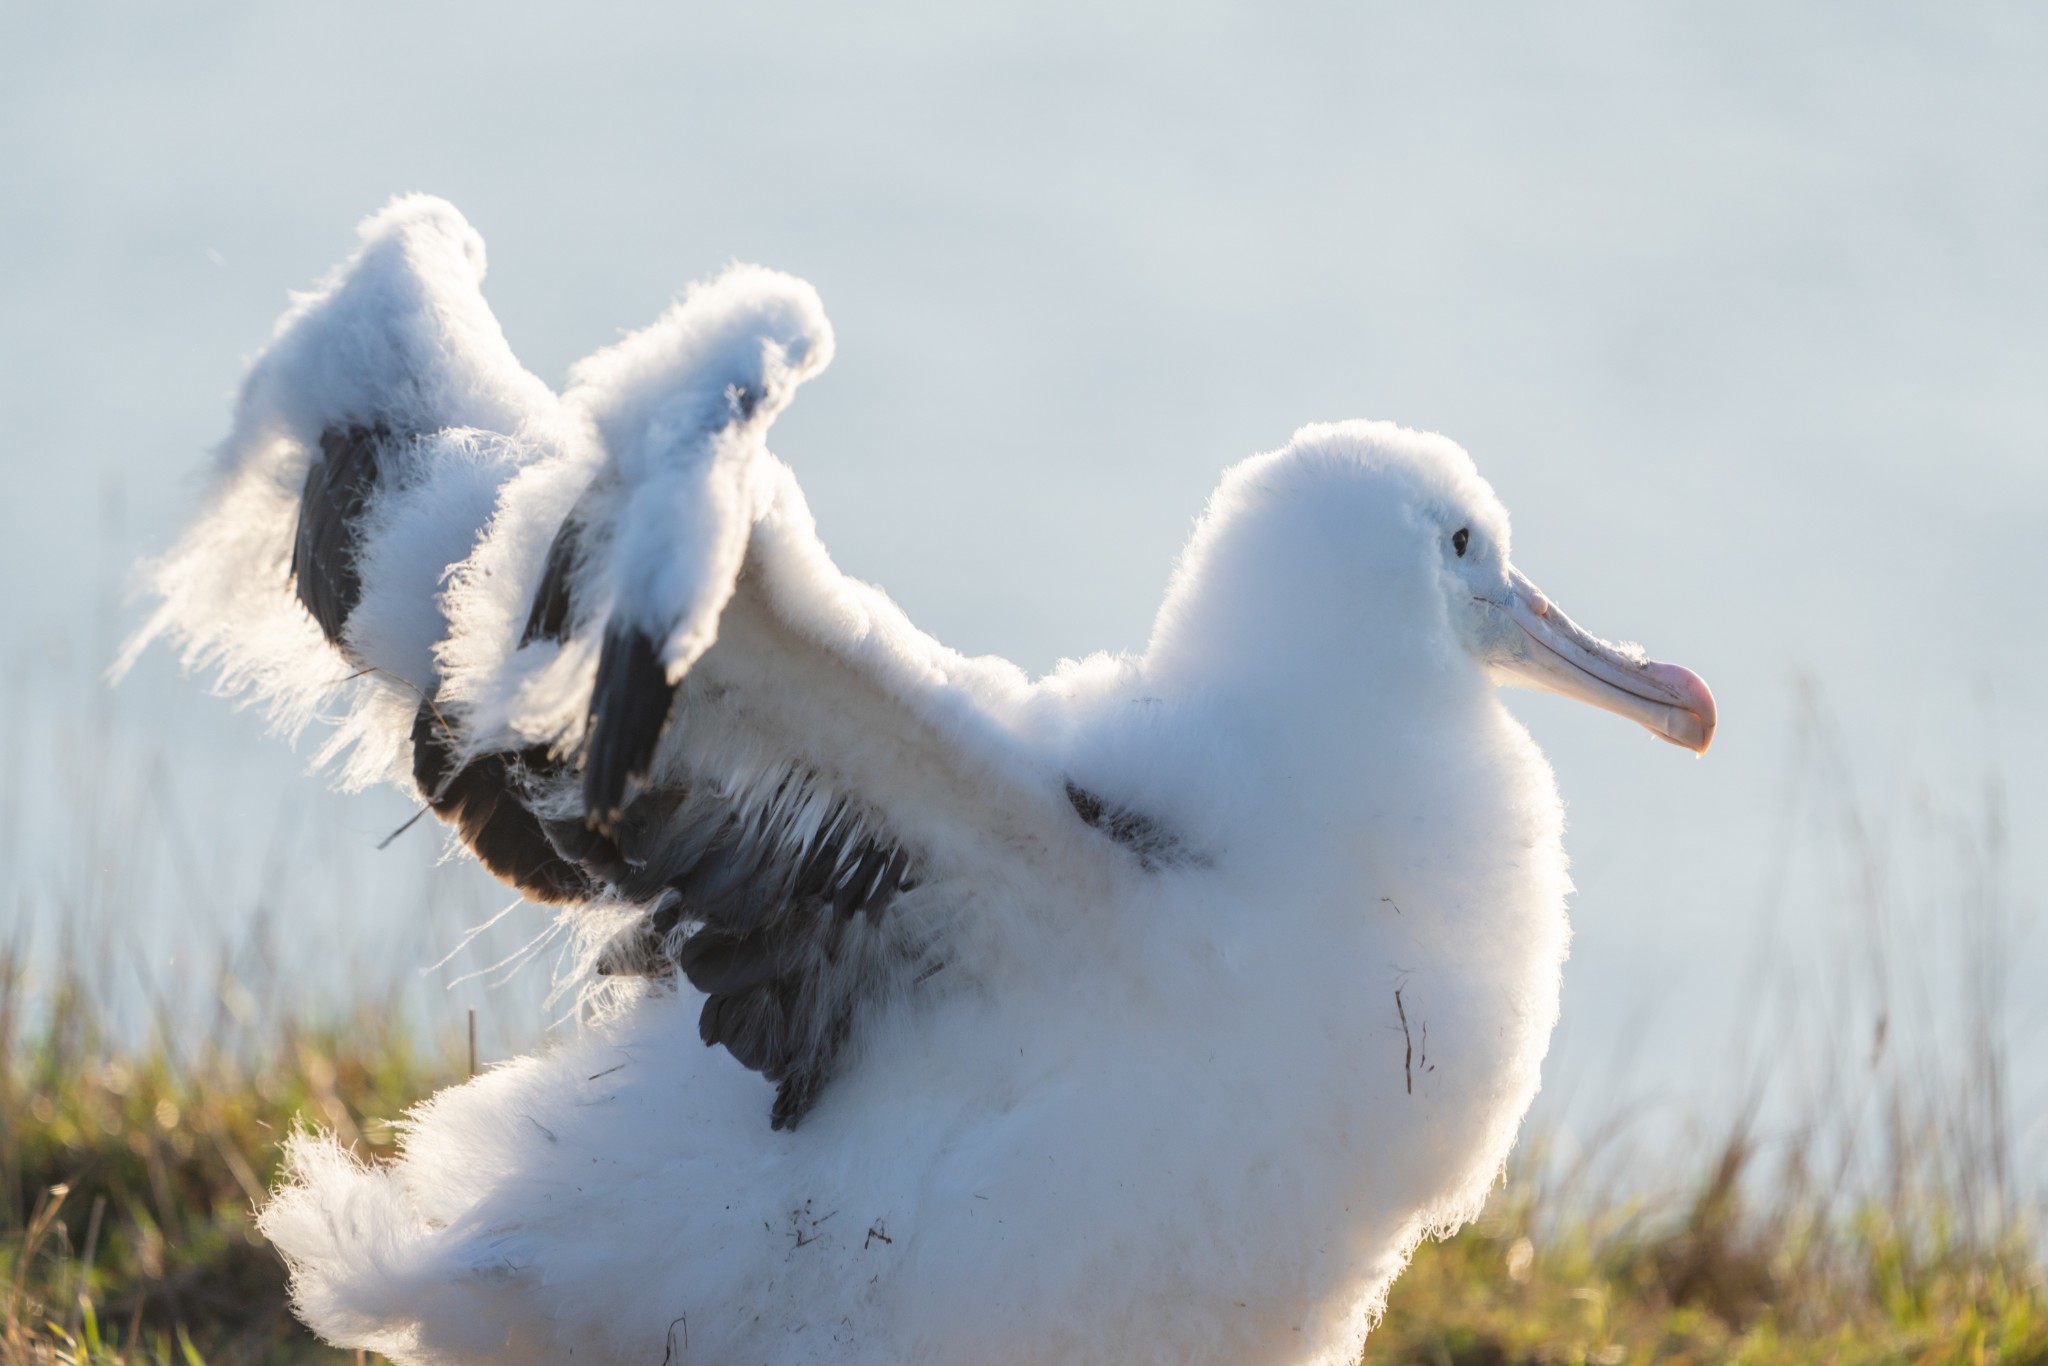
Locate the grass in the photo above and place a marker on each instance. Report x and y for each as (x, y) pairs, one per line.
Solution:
(1703, 1276)
(131, 1180)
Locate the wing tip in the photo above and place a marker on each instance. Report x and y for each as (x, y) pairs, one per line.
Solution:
(425, 227)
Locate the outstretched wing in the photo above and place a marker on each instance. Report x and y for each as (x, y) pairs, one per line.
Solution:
(816, 821)
(600, 636)
(797, 787)
(371, 438)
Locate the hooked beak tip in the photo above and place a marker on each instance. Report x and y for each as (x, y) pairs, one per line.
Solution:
(1688, 730)
(1690, 722)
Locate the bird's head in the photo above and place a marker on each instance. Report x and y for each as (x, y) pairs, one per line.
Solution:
(1508, 624)
(1363, 548)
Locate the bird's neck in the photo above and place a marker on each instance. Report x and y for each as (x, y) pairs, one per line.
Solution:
(1341, 757)
(1321, 690)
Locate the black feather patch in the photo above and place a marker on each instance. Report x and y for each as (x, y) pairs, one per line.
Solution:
(597, 853)
(485, 799)
(720, 962)
(774, 916)
(752, 1025)
(629, 705)
(853, 892)
(1139, 833)
(549, 619)
(795, 1095)
(798, 1085)
(337, 493)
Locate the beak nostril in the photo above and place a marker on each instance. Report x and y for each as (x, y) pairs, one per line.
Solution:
(1533, 598)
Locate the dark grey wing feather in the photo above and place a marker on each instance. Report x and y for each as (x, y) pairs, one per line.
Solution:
(486, 799)
(629, 706)
(551, 617)
(725, 964)
(766, 921)
(757, 906)
(1149, 841)
(780, 918)
(331, 511)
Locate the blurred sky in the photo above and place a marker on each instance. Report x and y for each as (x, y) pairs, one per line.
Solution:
(1743, 309)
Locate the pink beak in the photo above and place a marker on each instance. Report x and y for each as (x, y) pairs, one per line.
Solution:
(1557, 655)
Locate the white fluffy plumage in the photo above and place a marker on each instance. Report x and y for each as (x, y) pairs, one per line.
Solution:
(1220, 975)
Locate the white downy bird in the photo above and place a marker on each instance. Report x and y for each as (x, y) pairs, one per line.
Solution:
(1149, 1011)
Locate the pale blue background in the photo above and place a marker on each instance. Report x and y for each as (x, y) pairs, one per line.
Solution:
(1743, 308)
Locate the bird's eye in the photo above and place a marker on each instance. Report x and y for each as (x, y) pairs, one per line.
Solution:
(1459, 539)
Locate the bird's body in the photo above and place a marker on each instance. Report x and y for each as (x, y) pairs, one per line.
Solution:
(1195, 1113)
(1149, 1011)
